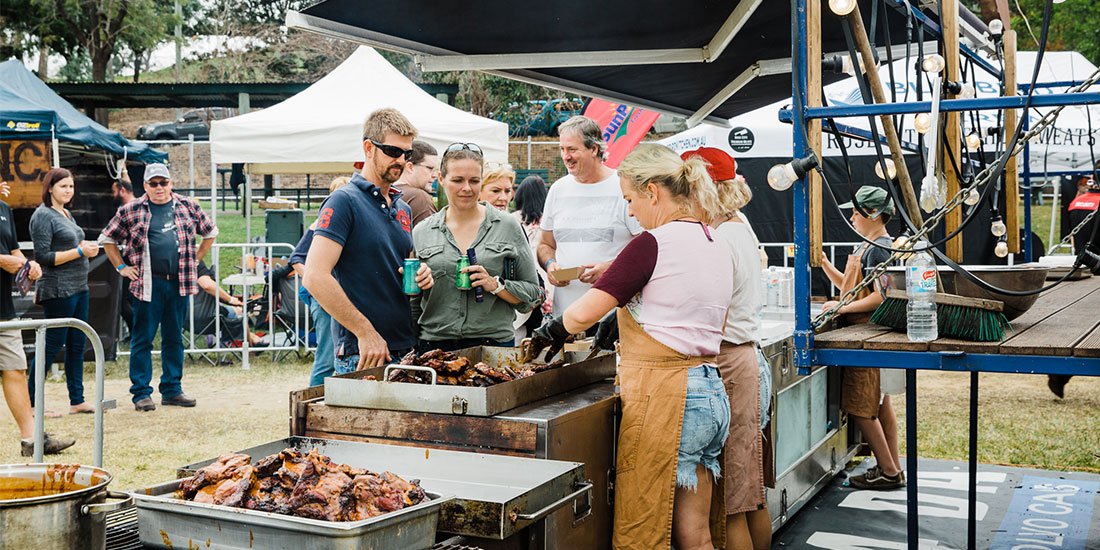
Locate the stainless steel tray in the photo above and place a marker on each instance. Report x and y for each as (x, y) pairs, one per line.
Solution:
(474, 401)
(167, 522)
(494, 496)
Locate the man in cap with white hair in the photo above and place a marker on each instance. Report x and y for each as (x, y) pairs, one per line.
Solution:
(158, 232)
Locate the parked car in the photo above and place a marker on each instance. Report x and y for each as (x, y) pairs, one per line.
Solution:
(539, 117)
(194, 122)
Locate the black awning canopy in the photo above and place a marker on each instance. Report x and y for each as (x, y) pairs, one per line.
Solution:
(603, 49)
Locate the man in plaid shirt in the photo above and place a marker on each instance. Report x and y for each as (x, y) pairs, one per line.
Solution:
(158, 232)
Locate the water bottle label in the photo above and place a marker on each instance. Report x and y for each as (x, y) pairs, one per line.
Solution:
(922, 279)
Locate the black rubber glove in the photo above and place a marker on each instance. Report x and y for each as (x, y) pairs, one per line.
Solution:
(607, 333)
(550, 336)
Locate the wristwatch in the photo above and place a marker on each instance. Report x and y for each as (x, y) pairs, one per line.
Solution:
(500, 286)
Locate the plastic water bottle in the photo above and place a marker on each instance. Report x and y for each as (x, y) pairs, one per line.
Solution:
(920, 285)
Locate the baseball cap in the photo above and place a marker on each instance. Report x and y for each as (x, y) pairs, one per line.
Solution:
(720, 165)
(873, 198)
(156, 170)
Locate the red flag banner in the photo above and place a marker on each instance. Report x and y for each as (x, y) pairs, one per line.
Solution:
(623, 126)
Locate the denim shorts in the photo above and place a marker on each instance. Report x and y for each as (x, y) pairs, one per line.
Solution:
(706, 425)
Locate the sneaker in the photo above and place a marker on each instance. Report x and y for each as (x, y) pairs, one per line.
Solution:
(180, 400)
(145, 404)
(875, 480)
(53, 445)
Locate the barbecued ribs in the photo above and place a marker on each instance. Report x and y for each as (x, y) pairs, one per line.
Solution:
(454, 370)
(307, 485)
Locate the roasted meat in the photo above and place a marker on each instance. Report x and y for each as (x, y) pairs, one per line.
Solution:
(307, 485)
(454, 370)
(226, 466)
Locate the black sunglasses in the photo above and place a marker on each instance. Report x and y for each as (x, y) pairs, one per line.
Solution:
(456, 147)
(392, 151)
(158, 183)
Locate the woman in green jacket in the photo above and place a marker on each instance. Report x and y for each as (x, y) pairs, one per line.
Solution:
(448, 316)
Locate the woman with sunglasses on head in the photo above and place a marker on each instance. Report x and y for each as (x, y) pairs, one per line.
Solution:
(502, 281)
(60, 248)
(748, 525)
(672, 285)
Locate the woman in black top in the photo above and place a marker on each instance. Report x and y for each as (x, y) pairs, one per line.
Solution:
(60, 248)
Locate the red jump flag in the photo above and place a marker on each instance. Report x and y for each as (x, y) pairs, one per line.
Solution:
(623, 127)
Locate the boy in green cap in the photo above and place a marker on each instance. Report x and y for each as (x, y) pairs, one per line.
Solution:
(861, 395)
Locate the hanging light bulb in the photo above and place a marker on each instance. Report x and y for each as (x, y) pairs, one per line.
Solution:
(972, 197)
(842, 7)
(922, 122)
(782, 176)
(933, 63)
(996, 27)
(998, 228)
(973, 141)
(929, 189)
(966, 91)
(1001, 249)
(891, 169)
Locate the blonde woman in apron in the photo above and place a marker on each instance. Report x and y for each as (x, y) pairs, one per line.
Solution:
(672, 286)
(861, 394)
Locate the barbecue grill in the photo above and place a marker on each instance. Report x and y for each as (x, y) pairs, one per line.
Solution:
(344, 391)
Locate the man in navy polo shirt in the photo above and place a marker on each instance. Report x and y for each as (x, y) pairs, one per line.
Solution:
(362, 237)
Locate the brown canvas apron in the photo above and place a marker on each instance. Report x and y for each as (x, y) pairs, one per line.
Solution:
(859, 394)
(653, 392)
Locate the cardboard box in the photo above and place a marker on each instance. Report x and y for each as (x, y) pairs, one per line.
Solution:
(567, 274)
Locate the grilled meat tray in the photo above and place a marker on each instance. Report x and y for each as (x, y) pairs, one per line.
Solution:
(473, 401)
(494, 496)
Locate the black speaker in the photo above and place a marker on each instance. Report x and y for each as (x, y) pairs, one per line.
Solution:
(284, 226)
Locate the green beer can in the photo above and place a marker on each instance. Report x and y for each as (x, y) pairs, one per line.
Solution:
(462, 279)
(412, 265)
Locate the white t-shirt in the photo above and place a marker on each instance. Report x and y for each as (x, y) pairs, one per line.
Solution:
(590, 225)
(742, 325)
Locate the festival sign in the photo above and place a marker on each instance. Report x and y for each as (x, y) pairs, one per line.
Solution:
(623, 126)
(23, 164)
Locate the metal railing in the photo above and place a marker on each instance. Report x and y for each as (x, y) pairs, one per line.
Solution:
(40, 326)
(831, 247)
(298, 328)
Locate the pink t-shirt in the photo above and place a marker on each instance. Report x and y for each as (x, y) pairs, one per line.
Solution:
(676, 280)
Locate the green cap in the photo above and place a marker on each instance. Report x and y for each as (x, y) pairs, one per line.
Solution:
(874, 200)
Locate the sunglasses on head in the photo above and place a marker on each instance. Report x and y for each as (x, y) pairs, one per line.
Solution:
(392, 151)
(158, 183)
(456, 147)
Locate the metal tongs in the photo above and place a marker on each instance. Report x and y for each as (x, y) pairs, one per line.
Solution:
(531, 347)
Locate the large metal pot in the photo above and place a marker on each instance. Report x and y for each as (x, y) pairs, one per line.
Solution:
(55, 506)
(1017, 277)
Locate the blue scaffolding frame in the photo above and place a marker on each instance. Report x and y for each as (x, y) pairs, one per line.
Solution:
(806, 355)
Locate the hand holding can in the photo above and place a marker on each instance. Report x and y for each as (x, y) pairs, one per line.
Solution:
(412, 266)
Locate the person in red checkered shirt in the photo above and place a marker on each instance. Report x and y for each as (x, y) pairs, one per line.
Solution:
(158, 232)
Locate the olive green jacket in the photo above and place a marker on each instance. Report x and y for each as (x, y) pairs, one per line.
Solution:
(446, 313)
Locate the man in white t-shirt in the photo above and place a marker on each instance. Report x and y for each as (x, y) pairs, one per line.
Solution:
(585, 221)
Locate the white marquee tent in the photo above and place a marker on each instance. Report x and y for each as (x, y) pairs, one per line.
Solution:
(760, 134)
(320, 129)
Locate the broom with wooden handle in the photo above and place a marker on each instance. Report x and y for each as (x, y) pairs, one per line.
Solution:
(957, 316)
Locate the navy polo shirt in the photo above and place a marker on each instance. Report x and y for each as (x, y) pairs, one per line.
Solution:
(376, 239)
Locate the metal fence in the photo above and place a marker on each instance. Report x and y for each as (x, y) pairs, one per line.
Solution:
(288, 323)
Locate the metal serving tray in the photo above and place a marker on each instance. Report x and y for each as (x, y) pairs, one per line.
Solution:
(167, 522)
(474, 401)
(494, 496)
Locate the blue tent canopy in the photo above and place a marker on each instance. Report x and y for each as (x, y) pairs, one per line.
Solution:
(29, 109)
